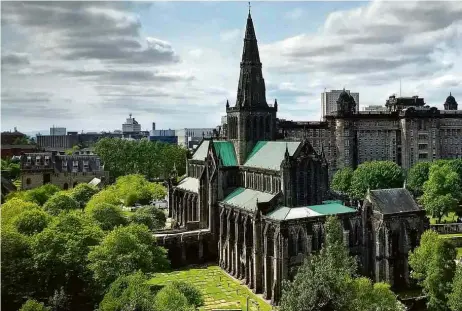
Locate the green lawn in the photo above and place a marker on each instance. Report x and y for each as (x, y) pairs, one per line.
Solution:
(451, 217)
(459, 252)
(220, 290)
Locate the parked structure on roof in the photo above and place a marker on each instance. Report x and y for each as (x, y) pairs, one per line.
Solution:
(258, 205)
(64, 171)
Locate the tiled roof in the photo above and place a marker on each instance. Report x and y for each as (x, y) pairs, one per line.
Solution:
(189, 184)
(247, 198)
(201, 151)
(269, 154)
(225, 151)
(392, 201)
(287, 213)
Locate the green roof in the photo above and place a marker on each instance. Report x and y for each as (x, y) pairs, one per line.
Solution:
(269, 154)
(247, 198)
(287, 213)
(225, 151)
(201, 151)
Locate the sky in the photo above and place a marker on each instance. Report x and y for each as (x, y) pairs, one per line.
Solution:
(87, 65)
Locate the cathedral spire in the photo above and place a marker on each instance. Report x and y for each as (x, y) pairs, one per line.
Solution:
(251, 89)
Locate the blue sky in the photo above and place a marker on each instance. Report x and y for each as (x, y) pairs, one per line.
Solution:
(87, 65)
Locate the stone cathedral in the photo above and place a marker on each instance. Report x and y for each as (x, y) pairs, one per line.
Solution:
(257, 205)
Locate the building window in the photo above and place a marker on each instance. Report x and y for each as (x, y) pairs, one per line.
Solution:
(29, 160)
(65, 164)
(65, 186)
(37, 160)
(423, 156)
(47, 160)
(28, 181)
(75, 166)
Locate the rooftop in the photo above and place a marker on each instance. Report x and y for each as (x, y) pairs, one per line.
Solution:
(328, 208)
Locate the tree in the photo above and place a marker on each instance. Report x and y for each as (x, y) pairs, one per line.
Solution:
(60, 202)
(417, 176)
(34, 305)
(17, 277)
(366, 296)
(342, 180)
(129, 293)
(31, 222)
(82, 193)
(60, 254)
(433, 266)
(151, 216)
(442, 191)
(170, 298)
(126, 250)
(41, 194)
(375, 175)
(455, 297)
(192, 294)
(14, 207)
(107, 216)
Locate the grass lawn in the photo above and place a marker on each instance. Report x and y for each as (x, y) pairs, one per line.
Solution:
(220, 290)
(459, 252)
(454, 235)
(451, 217)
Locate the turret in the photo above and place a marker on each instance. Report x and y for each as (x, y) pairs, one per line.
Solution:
(450, 103)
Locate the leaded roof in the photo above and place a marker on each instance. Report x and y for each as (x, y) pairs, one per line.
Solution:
(288, 213)
(270, 154)
(247, 198)
(392, 201)
(189, 184)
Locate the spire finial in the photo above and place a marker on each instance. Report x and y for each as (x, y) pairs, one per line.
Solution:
(450, 93)
(249, 8)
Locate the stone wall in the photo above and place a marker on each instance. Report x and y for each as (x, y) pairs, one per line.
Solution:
(447, 228)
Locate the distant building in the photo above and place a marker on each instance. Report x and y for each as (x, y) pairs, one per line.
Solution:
(64, 171)
(9, 138)
(131, 126)
(189, 137)
(57, 131)
(57, 142)
(165, 136)
(15, 143)
(329, 101)
(375, 108)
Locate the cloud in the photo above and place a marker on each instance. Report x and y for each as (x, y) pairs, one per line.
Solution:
(230, 35)
(294, 14)
(14, 59)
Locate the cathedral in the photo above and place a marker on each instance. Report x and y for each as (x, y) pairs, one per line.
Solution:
(257, 205)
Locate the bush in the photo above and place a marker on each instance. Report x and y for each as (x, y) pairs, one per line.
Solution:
(14, 207)
(33, 305)
(41, 194)
(170, 298)
(192, 294)
(60, 202)
(107, 216)
(31, 222)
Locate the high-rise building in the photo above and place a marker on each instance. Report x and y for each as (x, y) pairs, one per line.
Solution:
(131, 126)
(329, 101)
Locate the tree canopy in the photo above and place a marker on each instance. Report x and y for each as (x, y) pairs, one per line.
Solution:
(14, 207)
(34, 305)
(31, 222)
(375, 175)
(82, 193)
(342, 180)
(455, 297)
(442, 192)
(126, 250)
(37, 195)
(169, 298)
(417, 176)
(151, 216)
(60, 202)
(151, 159)
(107, 216)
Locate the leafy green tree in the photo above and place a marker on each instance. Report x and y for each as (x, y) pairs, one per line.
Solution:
(34, 305)
(129, 293)
(82, 193)
(59, 203)
(17, 277)
(366, 296)
(126, 250)
(455, 297)
(10, 170)
(342, 180)
(60, 254)
(442, 191)
(169, 298)
(107, 216)
(193, 295)
(151, 216)
(31, 222)
(375, 175)
(417, 176)
(14, 207)
(41, 194)
(433, 265)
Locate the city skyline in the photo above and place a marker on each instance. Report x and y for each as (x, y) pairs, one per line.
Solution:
(92, 64)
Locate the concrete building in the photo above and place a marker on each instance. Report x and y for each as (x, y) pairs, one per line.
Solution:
(374, 108)
(64, 171)
(57, 131)
(191, 137)
(131, 126)
(57, 142)
(329, 101)
(165, 136)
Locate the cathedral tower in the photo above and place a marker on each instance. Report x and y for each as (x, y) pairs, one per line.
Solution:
(251, 119)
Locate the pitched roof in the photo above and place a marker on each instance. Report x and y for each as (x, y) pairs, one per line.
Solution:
(189, 184)
(225, 151)
(269, 154)
(287, 213)
(392, 201)
(201, 151)
(247, 198)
